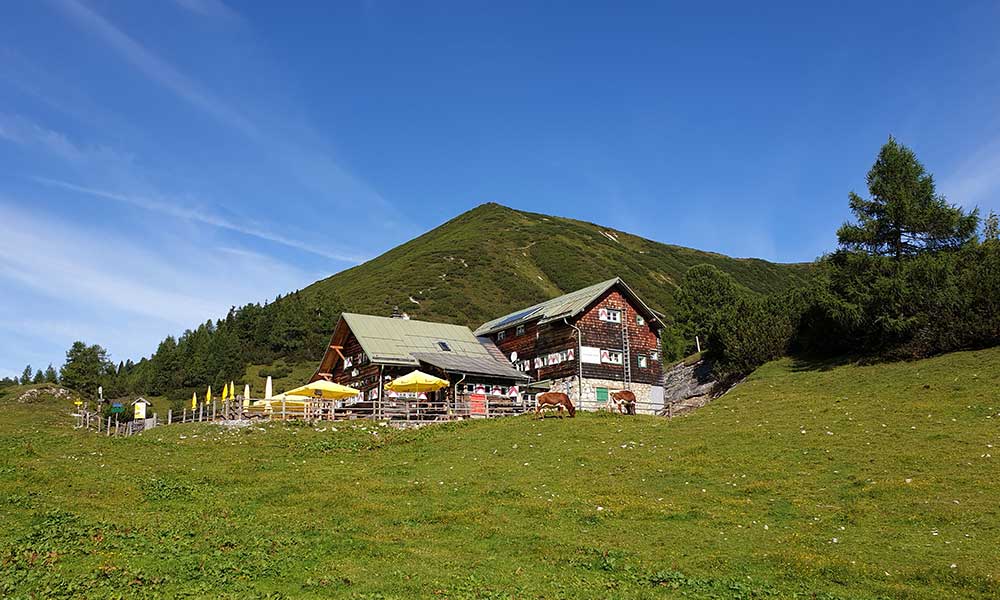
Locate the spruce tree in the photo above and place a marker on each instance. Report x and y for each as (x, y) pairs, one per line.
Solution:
(26, 375)
(85, 368)
(51, 376)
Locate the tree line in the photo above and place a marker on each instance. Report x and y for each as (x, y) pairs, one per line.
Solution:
(912, 276)
(295, 327)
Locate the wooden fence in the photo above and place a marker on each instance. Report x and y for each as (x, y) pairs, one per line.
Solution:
(398, 412)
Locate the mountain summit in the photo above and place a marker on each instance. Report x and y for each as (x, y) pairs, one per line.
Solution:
(494, 259)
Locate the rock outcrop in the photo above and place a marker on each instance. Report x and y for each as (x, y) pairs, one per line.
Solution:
(688, 386)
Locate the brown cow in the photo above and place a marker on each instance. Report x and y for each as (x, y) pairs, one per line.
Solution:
(557, 400)
(624, 401)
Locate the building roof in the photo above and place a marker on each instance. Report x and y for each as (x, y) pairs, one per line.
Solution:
(396, 341)
(474, 365)
(565, 306)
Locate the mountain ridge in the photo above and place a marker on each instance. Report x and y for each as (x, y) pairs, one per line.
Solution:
(492, 259)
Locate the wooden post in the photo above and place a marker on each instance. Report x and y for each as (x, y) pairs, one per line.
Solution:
(201, 412)
(283, 415)
(214, 404)
(107, 430)
(170, 416)
(670, 410)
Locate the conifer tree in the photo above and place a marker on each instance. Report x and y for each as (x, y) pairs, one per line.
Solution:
(991, 228)
(905, 215)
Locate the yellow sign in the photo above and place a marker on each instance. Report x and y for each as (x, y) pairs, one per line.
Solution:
(140, 410)
(78, 402)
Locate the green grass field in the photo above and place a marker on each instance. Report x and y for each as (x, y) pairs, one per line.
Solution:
(803, 482)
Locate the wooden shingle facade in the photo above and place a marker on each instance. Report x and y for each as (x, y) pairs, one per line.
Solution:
(588, 343)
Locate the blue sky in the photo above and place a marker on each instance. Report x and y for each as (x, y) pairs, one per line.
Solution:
(161, 161)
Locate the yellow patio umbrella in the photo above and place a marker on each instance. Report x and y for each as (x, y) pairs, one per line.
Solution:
(416, 382)
(225, 392)
(194, 401)
(208, 395)
(327, 390)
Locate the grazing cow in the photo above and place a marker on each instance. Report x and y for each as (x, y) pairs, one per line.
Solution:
(556, 400)
(624, 401)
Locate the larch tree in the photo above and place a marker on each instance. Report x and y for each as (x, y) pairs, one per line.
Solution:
(904, 215)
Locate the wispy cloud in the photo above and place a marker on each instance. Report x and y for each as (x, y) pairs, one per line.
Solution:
(297, 147)
(21, 130)
(173, 209)
(976, 181)
(155, 68)
(216, 9)
(125, 294)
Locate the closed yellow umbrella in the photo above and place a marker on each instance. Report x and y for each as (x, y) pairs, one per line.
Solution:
(327, 390)
(194, 401)
(225, 392)
(416, 382)
(208, 395)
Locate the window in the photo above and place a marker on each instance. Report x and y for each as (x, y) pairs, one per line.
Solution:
(613, 357)
(611, 315)
(602, 394)
(643, 363)
(639, 320)
(519, 330)
(654, 356)
(444, 346)
(501, 335)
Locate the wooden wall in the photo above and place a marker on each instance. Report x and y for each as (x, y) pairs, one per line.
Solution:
(608, 336)
(542, 340)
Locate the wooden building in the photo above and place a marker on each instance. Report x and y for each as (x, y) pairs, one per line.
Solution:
(587, 343)
(367, 351)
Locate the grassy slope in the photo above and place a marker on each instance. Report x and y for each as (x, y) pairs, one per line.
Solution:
(742, 499)
(492, 260)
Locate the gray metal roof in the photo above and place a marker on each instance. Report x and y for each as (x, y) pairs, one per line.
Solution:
(455, 363)
(395, 341)
(565, 306)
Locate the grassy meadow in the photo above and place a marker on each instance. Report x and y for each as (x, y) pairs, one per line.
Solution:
(806, 481)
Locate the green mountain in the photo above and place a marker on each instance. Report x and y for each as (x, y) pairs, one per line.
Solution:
(482, 264)
(492, 260)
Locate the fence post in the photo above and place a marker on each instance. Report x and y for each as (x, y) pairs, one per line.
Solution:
(283, 416)
(170, 416)
(107, 430)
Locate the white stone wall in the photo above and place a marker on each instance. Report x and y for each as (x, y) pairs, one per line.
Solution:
(643, 393)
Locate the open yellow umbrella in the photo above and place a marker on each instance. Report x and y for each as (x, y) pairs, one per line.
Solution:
(416, 382)
(326, 390)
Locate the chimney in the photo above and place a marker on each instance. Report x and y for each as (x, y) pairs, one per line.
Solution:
(395, 313)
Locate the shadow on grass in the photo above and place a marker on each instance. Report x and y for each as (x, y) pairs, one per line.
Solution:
(803, 362)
